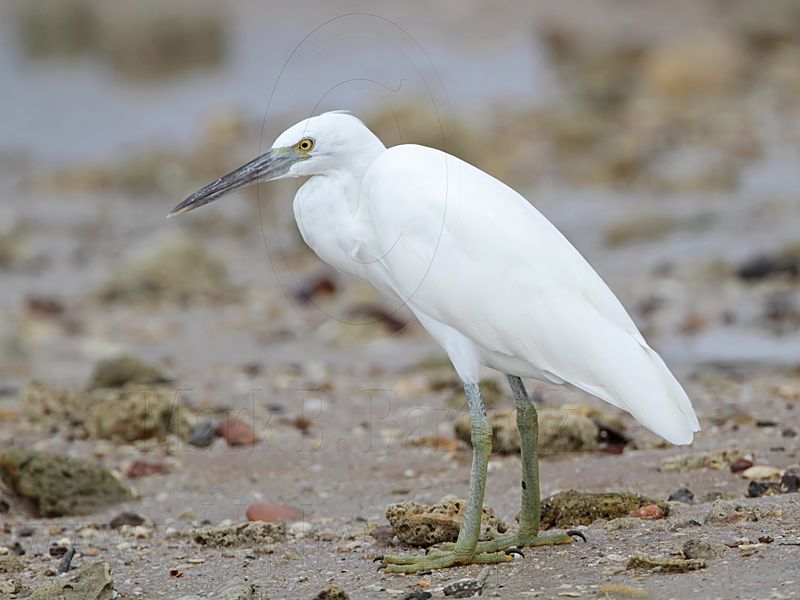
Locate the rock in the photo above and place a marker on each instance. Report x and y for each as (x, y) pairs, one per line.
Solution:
(467, 587)
(762, 472)
(421, 525)
(173, 267)
(664, 565)
(142, 468)
(253, 534)
(765, 267)
(124, 370)
(234, 589)
(333, 591)
(560, 431)
(202, 434)
(130, 519)
(127, 414)
(683, 494)
(92, 583)
(10, 586)
(272, 513)
(651, 511)
(59, 486)
(237, 432)
(723, 511)
(571, 508)
(703, 549)
(740, 465)
(789, 483)
(709, 460)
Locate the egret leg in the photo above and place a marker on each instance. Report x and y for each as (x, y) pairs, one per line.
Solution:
(530, 510)
(463, 551)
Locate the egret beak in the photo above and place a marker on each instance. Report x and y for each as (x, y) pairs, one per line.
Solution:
(270, 165)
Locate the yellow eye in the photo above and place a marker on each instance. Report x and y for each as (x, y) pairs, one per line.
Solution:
(306, 144)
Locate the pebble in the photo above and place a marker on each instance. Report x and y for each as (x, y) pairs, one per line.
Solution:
(141, 468)
(236, 432)
(703, 549)
(127, 518)
(202, 435)
(272, 512)
(333, 591)
(740, 465)
(651, 511)
(762, 473)
(683, 494)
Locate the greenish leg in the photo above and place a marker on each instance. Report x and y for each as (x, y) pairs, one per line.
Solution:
(530, 511)
(463, 551)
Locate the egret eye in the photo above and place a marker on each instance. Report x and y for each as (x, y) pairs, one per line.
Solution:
(306, 144)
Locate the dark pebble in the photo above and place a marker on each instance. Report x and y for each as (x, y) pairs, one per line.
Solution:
(766, 423)
(789, 432)
(740, 465)
(789, 484)
(66, 560)
(57, 551)
(762, 267)
(4, 507)
(683, 494)
(202, 434)
(126, 518)
(25, 531)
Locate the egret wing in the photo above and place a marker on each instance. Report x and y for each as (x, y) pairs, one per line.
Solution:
(463, 248)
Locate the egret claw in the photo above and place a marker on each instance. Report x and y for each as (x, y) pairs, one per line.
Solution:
(514, 550)
(575, 533)
(378, 558)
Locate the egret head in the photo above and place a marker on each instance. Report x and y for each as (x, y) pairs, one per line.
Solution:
(333, 141)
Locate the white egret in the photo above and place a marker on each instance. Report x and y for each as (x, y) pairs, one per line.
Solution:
(487, 275)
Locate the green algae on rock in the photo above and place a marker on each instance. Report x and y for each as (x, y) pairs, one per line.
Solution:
(571, 508)
(59, 486)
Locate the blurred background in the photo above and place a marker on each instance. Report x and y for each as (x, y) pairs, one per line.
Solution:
(662, 137)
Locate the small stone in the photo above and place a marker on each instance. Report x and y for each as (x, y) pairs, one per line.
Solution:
(723, 512)
(740, 465)
(467, 588)
(234, 589)
(333, 591)
(651, 511)
(422, 525)
(271, 512)
(762, 473)
(202, 435)
(127, 518)
(59, 485)
(789, 433)
(683, 494)
(664, 565)
(703, 549)
(236, 432)
(25, 531)
(142, 468)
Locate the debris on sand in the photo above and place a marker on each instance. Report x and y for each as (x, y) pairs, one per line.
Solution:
(332, 591)
(664, 565)
(127, 414)
(721, 459)
(169, 268)
(421, 525)
(124, 370)
(571, 508)
(560, 431)
(92, 583)
(682, 494)
(58, 485)
(253, 534)
(765, 267)
(703, 549)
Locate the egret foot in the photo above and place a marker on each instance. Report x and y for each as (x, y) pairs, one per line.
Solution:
(514, 541)
(440, 559)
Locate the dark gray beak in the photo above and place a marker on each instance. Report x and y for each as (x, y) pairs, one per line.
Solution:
(270, 165)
